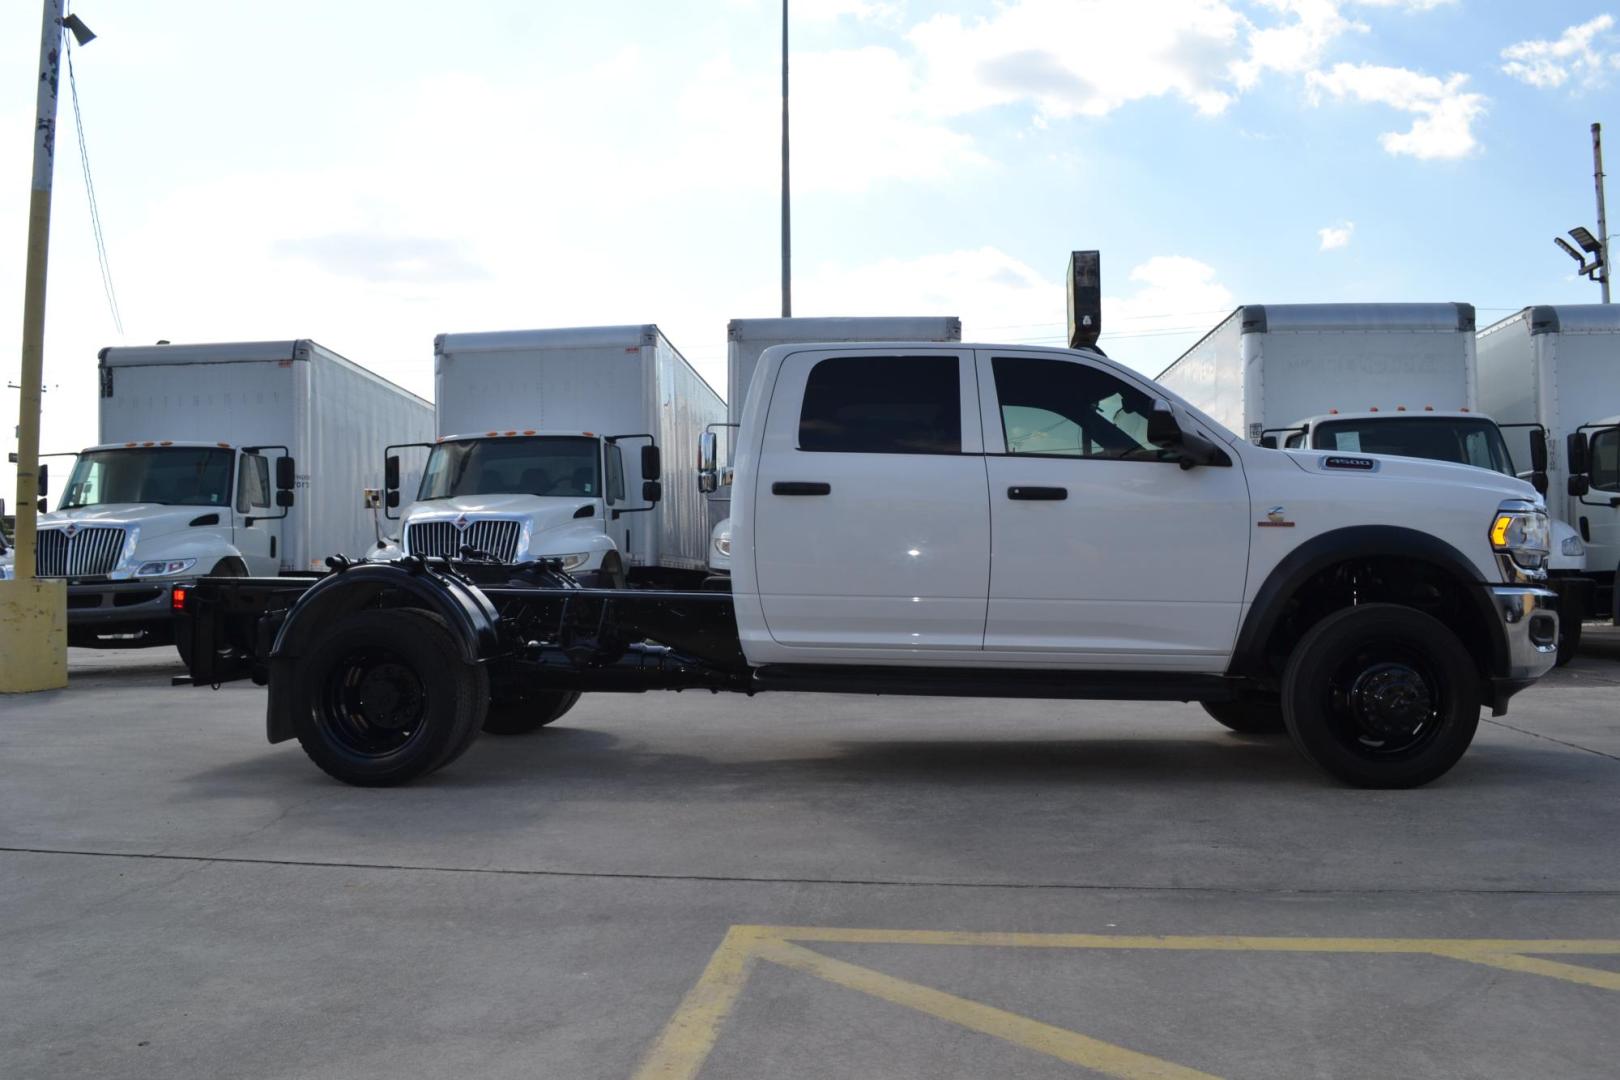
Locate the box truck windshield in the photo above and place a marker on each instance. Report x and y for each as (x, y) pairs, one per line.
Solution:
(1463, 442)
(567, 466)
(168, 476)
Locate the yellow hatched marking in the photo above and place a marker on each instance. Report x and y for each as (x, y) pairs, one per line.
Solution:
(689, 1037)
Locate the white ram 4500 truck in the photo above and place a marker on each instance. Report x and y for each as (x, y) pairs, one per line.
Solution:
(1558, 367)
(551, 444)
(975, 520)
(241, 458)
(1397, 379)
(746, 339)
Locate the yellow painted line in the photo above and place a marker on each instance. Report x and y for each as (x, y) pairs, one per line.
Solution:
(686, 1041)
(1042, 1038)
(1535, 965)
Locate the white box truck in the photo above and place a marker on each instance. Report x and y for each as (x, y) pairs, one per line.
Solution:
(746, 339)
(1558, 366)
(550, 446)
(1397, 379)
(239, 458)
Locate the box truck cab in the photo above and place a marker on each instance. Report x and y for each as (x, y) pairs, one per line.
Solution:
(523, 496)
(551, 444)
(1558, 366)
(235, 458)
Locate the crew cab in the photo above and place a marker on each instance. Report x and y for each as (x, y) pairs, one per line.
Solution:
(950, 519)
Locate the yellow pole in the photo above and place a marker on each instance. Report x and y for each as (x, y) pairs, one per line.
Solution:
(33, 612)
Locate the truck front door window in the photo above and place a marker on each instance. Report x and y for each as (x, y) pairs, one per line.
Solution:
(615, 474)
(252, 484)
(1057, 408)
(562, 465)
(164, 475)
(882, 405)
(1605, 454)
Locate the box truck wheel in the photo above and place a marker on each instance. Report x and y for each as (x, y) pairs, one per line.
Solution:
(1249, 716)
(1569, 634)
(382, 697)
(612, 575)
(519, 716)
(1381, 696)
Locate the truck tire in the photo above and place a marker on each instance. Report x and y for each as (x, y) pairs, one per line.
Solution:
(381, 698)
(1250, 716)
(612, 576)
(529, 713)
(1569, 636)
(1381, 696)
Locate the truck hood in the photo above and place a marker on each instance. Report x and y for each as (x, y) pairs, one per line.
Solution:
(541, 511)
(1414, 469)
(153, 519)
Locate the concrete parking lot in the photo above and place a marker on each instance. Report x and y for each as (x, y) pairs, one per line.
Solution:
(699, 886)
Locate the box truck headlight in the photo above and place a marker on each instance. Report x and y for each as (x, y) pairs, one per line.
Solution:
(164, 567)
(574, 562)
(1572, 546)
(722, 544)
(1523, 535)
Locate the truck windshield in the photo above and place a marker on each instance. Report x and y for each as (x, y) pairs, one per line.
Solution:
(543, 465)
(1475, 442)
(167, 475)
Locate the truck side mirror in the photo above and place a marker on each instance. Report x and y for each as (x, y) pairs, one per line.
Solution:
(651, 491)
(1268, 442)
(1538, 480)
(652, 463)
(1162, 428)
(286, 480)
(44, 485)
(708, 462)
(1538, 450)
(391, 498)
(1580, 463)
(391, 472)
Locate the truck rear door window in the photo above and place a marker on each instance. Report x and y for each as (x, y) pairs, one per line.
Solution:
(883, 405)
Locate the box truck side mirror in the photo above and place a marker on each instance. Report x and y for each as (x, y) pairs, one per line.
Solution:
(651, 491)
(391, 472)
(708, 462)
(652, 463)
(1538, 450)
(1578, 451)
(286, 480)
(44, 485)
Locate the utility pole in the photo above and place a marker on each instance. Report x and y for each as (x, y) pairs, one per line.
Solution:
(1603, 224)
(33, 612)
(787, 227)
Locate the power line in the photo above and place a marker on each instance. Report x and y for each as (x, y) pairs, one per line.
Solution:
(95, 212)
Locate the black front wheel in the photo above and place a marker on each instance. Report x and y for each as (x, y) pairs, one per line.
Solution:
(519, 716)
(383, 698)
(1248, 716)
(1381, 696)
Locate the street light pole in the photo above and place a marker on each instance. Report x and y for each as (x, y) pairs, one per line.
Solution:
(1602, 223)
(33, 612)
(787, 228)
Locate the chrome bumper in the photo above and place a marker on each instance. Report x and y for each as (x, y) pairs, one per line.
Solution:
(1530, 625)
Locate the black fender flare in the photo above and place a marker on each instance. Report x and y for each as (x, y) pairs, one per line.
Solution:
(1340, 545)
(472, 619)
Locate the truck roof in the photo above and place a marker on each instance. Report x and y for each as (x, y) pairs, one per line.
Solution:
(629, 335)
(525, 433)
(1397, 413)
(846, 328)
(237, 352)
(1564, 319)
(167, 444)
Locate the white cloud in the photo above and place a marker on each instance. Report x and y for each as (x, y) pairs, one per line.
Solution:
(1336, 236)
(1443, 112)
(1579, 54)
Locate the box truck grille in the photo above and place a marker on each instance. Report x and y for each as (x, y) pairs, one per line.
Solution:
(443, 539)
(87, 553)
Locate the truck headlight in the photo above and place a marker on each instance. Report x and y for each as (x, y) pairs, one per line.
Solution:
(575, 561)
(164, 567)
(722, 544)
(1572, 546)
(1523, 535)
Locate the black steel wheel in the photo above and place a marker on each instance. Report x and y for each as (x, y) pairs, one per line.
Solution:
(1248, 716)
(1569, 634)
(383, 698)
(519, 716)
(1381, 696)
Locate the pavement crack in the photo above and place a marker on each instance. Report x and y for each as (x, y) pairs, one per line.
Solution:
(743, 879)
(1549, 738)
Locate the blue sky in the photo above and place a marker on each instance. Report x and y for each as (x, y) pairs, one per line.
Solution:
(372, 174)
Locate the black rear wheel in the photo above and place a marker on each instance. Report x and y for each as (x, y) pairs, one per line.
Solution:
(382, 698)
(1248, 716)
(519, 716)
(1381, 696)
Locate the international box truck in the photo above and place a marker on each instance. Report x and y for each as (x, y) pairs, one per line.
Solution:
(238, 458)
(550, 447)
(1400, 379)
(747, 339)
(1558, 366)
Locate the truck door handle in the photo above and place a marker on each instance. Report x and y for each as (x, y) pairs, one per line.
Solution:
(800, 487)
(1038, 494)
